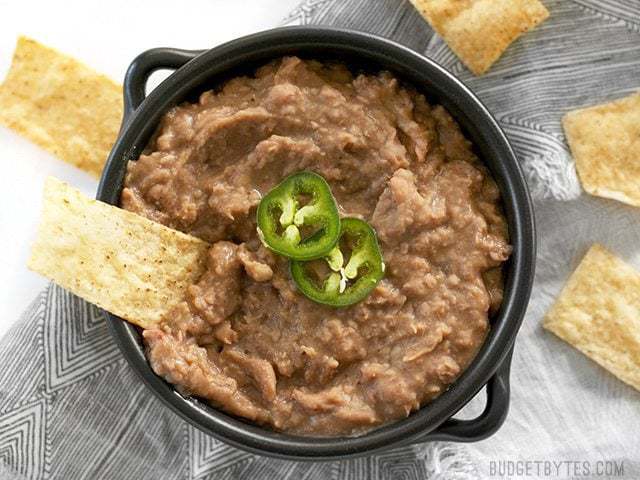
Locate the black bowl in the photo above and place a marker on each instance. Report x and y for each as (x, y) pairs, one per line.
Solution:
(200, 70)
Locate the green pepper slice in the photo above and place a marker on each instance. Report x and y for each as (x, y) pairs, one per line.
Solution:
(348, 273)
(299, 217)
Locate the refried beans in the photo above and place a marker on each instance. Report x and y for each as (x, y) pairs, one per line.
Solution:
(244, 339)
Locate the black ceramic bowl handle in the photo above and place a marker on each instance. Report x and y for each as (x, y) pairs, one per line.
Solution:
(135, 80)
(488, 422)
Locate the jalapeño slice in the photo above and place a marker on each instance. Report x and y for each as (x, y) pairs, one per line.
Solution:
(348, 273)
(299, 217)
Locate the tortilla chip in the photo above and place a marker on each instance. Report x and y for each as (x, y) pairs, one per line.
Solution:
(126, 264)
(605, 143)
(598, 312)
(479, 31)
(62, 105)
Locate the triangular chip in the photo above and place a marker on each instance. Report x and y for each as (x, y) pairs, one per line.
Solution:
(605, 143)
(479, 31)
(62, 105)
(598, 312)
(128, 265)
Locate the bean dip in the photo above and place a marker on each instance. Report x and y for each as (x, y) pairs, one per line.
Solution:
(244, 339)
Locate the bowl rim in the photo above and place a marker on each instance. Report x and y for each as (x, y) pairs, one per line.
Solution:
(516, 200)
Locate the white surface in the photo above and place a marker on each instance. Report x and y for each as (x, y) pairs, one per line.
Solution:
(106, 36)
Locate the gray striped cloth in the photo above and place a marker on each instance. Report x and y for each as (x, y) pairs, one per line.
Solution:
(70, 407)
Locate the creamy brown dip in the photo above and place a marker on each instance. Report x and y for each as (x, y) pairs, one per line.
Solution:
(245, 339)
